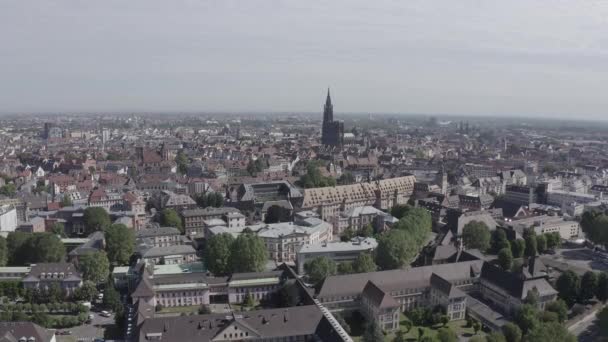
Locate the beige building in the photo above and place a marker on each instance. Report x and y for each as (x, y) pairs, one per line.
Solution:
(330, 202)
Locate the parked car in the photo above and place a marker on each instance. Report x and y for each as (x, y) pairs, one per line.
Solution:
(105, 314)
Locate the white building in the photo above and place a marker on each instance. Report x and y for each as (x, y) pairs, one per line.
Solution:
(8, 218)
(337, 251)
(548, 224)
(283, 240)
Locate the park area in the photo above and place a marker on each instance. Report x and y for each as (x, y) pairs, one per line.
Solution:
(356, 325)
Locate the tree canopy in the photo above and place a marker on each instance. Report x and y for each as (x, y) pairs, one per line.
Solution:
(589, 284)
(94, 266)
(595, 226)
(511, 332)
(395, 250)
(96, 218)
(400, 245)
(319, 268)
(217, 253)
(568, 287)
(170, 218)
(120, 244)
(314, 179)
(505, 258)
(476, 235)
(247, 253)
(182, 162)
(30, 248)
(517, 248)
(364, 263)
(210, 199)
(499, 240)
(3, 251)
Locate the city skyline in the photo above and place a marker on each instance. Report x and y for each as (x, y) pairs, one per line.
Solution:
(516, 58)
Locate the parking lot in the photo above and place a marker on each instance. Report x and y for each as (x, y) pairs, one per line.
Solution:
(88, 332)
(579, 260)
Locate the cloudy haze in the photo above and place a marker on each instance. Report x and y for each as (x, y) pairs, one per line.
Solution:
(453, 57)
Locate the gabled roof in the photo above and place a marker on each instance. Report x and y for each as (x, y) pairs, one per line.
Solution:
(378, 297)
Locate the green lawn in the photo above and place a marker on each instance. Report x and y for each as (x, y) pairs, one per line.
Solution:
(180, 309)
(459, 327)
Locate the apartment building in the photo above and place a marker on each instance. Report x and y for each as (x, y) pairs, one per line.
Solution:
(197, 220)
(283, 240)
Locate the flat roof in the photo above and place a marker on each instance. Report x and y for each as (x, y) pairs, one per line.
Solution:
(196, 267)
(15, 269)
(348, 246)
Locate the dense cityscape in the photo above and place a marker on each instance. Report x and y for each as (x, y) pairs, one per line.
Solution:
(302, 227)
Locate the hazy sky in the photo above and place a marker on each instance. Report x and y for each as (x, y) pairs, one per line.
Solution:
(536, 57)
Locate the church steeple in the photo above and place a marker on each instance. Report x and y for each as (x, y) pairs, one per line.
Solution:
(328, 111)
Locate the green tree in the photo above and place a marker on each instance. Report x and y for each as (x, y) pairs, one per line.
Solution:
(277, 213)
(400, 335)
(399, 210)
(182, 162)
(527, 318)
(568, 286)
(17, 255)
(373, 333)
(8, 190)
(66, 201)
(495, 336)
(517, 248)
(346, 178)
(170, 218)
(505, 259)
(94, 266)
(553, 240)
(602, 317)
(560, 308)
(531, 246)
(87, 292)
(446, 334)
(210, 199)
(345, 268)
(601, 292)
(364, 263)
(96, 218)
(499, 240)
(217, 253)
(532, 297)
(553, 331)
(319, 268)
(477, 339)
(541, 244)
(45, 247)
(58, 229)
(120, 244)
(347, 235)
(476, 327)
(589, 284)
(366, 231)
(476, 235)
(512, 332)
(314, 179)
(3, 251)
(111, 297)
(247, 253)
(54, 293)
(395, 250)
(248, 301)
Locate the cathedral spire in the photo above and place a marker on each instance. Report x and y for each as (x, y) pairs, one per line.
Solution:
(328, 112)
